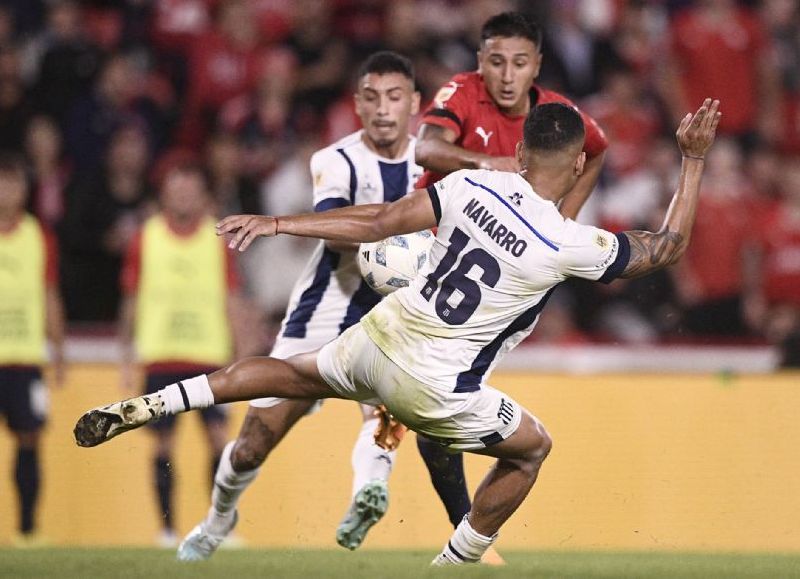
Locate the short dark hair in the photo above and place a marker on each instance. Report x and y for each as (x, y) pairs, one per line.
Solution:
(552, 127)
(511, 24)
(387, 61)
(12, 163)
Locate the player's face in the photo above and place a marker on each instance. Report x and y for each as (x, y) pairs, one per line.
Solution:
(183, 196)
(385, 104)
(12, 193)
(508, 67)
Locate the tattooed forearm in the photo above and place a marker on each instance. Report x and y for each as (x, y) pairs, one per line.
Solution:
(652, 251)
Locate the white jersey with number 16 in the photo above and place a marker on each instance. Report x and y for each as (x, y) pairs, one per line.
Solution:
(500, 250)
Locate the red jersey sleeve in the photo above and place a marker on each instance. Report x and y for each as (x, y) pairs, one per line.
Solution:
(451, 105)
(596, 141)
(132, 266)
(51, 257)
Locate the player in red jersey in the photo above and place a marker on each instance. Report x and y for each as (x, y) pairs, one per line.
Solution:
(475, 122)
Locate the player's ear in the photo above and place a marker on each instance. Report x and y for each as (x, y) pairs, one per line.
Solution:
(537, 63)
(415, 100)
(519, 153)
(580, 163)
(357, 101)
(479, 54)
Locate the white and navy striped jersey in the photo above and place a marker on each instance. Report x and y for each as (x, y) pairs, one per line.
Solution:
(330, 295)
(500, 250)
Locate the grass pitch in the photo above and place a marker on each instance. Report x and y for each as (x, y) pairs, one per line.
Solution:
(60, 563)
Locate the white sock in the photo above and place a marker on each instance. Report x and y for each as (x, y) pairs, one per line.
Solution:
(187, 395)
(228, 487)
(369, 460)
(465, 546)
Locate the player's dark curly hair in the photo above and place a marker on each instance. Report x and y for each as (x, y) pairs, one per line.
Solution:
(552, 127)
(387, 61)
(511, 24)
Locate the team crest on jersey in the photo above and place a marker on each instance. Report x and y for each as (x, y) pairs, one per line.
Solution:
(369, 188)
(445, 93)
(506, 411)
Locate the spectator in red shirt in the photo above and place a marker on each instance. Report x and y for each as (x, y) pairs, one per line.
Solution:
(49, 172)
(720, 48)
(475, 121)
(772, 303)
(630, 119)
(224, 63)
(709, 279)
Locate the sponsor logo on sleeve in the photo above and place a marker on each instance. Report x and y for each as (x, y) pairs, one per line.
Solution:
(445, 93)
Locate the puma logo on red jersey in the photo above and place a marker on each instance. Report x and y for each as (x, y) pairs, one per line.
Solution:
(481, 132)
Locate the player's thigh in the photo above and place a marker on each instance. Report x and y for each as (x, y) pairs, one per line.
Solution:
(301, 354)
(263, 428)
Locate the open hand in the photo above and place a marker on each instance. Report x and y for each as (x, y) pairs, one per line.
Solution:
(696, 132)
(246, 228)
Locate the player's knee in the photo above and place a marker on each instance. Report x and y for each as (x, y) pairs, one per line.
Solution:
(249, 453)
(537, 450)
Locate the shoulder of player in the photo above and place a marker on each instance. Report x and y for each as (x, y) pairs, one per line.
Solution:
(343, 144)
(482, 181)
(335, 157)
(550, 96)
(464, 83)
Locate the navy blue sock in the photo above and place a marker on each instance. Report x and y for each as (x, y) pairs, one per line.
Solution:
(447, 476)
(163, 476)
(26, 476)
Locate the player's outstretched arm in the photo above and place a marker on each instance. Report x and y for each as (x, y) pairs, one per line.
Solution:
(436, 151)
(356, 223)
(652, 251)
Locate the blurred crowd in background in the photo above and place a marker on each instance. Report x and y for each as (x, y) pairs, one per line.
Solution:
(102, 97)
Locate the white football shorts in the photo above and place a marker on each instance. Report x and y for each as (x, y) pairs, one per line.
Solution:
(357, 369)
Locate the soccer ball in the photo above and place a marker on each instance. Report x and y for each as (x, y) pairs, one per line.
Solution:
(393, 262)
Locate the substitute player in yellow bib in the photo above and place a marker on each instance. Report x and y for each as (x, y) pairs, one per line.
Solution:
(30, 312)
(180, 286)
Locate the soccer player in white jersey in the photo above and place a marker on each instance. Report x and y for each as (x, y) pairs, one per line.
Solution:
(373, 165)
(427, 350)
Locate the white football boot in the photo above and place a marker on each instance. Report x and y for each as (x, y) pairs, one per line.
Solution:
(105, 422)
(200, 543)
(367, 508)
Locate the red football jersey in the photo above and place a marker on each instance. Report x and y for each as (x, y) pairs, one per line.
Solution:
(780, 241)
(465, 107)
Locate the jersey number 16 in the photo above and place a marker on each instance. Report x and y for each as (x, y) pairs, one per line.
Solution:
(457, 279)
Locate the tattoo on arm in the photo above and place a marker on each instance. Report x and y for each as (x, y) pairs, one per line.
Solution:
(652, 251)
